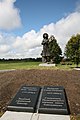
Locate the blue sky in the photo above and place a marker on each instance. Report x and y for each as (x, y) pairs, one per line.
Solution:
(23, 22)
(37, 13)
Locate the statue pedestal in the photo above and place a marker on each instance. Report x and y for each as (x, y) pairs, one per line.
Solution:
(47, 64)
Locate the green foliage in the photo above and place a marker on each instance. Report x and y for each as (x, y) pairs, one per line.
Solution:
(55, 51)
(77, 117)
(72, 50)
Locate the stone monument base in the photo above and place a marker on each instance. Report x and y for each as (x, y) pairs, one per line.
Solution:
(77, 68)
(47, 64)
(10, 115)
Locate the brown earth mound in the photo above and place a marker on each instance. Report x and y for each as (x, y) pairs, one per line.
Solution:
(10, 82)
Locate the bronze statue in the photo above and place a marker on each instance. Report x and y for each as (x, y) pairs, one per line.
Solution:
(51, 52)
(46, 57)
(45, 53)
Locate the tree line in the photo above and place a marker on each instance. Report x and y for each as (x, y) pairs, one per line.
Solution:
(71, 53)
(72, 49)
(22, 60)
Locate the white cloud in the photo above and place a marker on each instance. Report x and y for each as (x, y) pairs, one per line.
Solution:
(4, 48)
(29, 45)
(9, 15)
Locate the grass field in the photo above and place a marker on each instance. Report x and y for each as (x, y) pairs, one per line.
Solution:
(18, 65)
(31, 65)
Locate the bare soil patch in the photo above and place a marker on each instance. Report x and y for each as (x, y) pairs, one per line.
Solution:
(10, 82)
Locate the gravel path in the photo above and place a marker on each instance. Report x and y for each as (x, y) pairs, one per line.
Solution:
(7, 70)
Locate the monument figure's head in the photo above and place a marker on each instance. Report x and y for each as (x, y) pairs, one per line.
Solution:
(45, 36)
(52, 37)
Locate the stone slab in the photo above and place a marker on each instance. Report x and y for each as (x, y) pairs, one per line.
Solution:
(53, 117)
(47, 65)
(8, 115)
(25, 99)
(53, 101)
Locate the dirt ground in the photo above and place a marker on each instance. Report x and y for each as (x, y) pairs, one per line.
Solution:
(10, 82)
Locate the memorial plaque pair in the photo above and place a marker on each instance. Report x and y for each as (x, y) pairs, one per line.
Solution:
(47, 99)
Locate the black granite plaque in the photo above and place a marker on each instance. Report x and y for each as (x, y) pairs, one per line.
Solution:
(53, 101)
(25, 99)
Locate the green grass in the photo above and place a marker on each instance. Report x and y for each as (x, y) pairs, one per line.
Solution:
(18, 65)
(77, 117)
(67, 66)
(31, 65)
(1, 113)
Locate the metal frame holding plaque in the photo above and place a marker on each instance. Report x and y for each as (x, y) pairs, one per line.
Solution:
(25, 100)
(53, 101)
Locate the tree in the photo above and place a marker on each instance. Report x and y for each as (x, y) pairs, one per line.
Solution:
(72, 49)
(55, 50)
